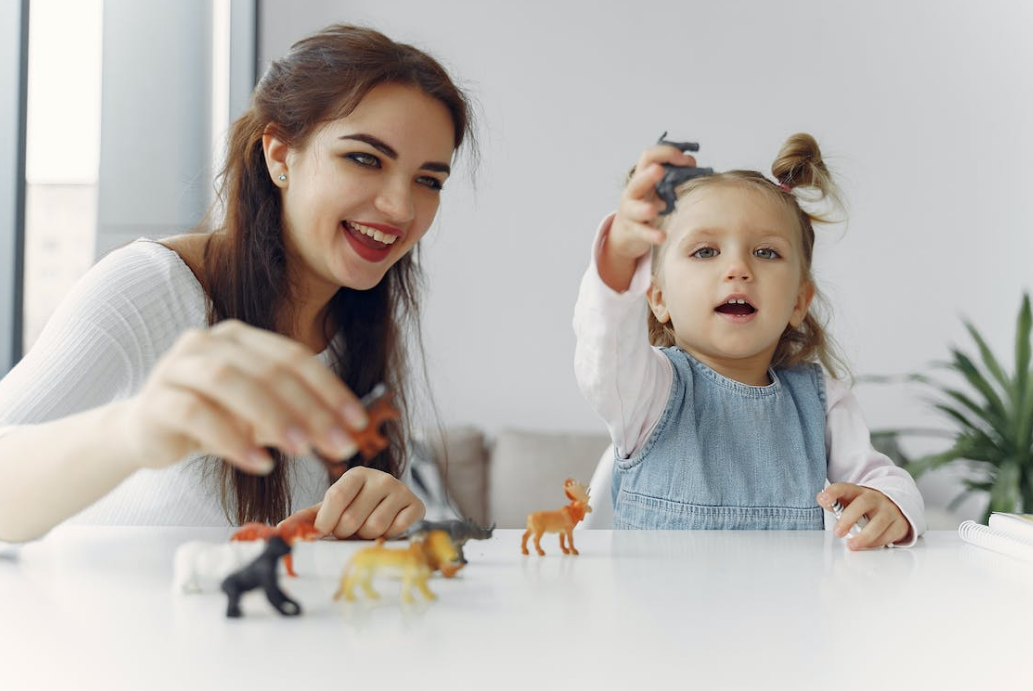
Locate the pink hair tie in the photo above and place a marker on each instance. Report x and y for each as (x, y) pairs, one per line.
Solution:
(786, 187)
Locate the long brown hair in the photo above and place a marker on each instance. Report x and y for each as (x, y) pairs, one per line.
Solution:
(799, 170)
(322, 78)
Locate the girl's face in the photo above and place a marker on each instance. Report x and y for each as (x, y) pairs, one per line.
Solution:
(731, 277)
(364, 189)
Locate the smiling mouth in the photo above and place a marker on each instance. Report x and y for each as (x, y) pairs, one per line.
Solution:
(737, 307)
(371, 237)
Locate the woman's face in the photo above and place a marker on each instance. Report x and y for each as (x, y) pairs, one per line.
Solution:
(364, 189)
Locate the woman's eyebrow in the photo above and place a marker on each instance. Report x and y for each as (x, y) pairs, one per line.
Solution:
(384, 148)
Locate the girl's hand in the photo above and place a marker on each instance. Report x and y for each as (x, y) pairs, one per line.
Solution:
(633, 232)
(886, 524)
(366, 503)
(232, 390)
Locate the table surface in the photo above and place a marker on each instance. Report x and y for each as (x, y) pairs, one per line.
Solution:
(90, 607)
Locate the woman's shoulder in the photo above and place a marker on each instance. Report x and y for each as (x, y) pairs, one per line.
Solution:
(142, 285)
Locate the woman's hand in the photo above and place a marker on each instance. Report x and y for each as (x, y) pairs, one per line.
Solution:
(232, 390)
(886, 524)
(366, 503)
(634, 232)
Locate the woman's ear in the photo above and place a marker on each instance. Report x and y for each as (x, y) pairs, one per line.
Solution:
(803, 303)
(655, 296)
(275, 150)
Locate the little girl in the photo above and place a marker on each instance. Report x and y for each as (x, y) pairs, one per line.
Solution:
(719, 389)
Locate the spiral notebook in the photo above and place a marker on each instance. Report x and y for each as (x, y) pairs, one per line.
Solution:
(1007, 533)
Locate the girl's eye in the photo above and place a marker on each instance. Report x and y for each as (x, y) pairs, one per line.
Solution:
(431, 182)
(767, 253)
(705, 253)
(364, 159)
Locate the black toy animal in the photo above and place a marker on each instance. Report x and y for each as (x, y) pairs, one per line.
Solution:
(676, 175)
(261, 573)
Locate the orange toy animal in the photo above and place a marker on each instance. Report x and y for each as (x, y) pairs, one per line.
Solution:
(560, 521)
(414, 563)
(291, 530)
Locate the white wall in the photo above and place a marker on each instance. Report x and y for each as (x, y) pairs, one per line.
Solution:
(923, 108)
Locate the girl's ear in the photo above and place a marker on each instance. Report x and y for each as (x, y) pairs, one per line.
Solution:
(803, 303)
(275, 150)
(655, 296)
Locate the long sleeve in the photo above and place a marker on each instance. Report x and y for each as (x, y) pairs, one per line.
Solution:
(852, 458)
(623, 377)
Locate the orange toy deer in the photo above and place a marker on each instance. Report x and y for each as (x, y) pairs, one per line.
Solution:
(561, 521)
(291, 530)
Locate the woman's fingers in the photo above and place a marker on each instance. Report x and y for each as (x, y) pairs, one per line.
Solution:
(299, 359)
(368, 504)
(266, 383)
(211, 429)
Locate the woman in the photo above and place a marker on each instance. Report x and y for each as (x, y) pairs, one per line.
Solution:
(194, 381)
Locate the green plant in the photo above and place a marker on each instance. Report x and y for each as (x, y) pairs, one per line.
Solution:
(991, 414)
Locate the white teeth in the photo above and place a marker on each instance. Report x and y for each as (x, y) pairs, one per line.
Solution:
(736, 301)
(386, 238)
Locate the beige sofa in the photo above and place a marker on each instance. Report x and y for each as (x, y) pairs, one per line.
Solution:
(502, 478)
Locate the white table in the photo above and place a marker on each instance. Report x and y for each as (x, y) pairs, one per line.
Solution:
(93, 608)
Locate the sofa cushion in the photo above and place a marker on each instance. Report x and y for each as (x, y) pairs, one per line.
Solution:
(527, 470)
(463, 461)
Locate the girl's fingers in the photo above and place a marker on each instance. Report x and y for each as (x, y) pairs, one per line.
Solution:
(664, 153)
(296, 357)
(872, 533)
(642, 185)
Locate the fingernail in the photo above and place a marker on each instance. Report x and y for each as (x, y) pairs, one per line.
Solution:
(342, 443)
(260, 461)
(298, 439)
(356, 416)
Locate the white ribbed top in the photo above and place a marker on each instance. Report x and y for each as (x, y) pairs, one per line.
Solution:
(100, 346)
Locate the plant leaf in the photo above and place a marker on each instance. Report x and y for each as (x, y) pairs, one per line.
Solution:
(988, 358)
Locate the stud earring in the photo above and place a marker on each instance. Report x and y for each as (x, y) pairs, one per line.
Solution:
(283, 177)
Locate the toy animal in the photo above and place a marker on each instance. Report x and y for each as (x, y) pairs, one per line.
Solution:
(676, 175)
(415, 563)
(261, 573)
(369, 439)
(200, 566)
(291, 530)
(459, 530)
(561, 521)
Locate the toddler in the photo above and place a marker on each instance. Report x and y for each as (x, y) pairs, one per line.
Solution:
(720, 389)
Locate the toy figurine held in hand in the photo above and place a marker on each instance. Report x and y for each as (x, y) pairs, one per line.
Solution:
(676, 175)
(561, 521)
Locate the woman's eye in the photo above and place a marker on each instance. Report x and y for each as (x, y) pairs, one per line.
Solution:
(767, 253)
(363, 159)
(705, 253)
(431, 182)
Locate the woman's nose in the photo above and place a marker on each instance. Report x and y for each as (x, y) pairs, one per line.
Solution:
(395, 202)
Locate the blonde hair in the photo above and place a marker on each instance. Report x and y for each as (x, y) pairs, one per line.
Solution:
(798, 166)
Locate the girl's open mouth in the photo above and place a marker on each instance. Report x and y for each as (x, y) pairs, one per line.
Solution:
(736, 309)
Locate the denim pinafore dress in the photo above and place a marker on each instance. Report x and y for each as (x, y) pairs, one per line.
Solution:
(728, 456)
